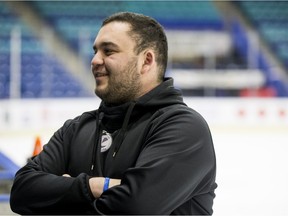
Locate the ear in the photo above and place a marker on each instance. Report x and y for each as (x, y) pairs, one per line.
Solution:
(148, 61)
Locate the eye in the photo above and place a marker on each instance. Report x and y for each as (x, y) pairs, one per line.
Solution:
(108, 51)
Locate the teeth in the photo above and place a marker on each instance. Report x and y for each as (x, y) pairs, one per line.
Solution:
(100, 75)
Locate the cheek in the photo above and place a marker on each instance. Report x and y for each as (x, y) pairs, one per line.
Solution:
(111, 67)
(119, 65)
(113, 63)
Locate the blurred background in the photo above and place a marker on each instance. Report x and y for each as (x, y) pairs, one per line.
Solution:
(229, 58)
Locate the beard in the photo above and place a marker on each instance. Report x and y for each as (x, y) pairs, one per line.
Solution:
(123, 86)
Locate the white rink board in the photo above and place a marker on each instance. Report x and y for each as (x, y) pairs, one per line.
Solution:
(250, 138)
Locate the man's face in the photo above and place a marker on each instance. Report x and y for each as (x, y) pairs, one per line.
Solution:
(115, 66)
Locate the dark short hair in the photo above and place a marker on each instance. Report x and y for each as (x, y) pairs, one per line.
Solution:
(148, 33)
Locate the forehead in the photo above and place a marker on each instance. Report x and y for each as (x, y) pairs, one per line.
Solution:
(114, 32)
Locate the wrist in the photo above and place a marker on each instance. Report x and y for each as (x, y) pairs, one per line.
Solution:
(96, 186)
(106, 184)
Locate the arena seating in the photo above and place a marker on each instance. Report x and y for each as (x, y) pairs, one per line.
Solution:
(41, 74)
(74, 18)
(270, 18)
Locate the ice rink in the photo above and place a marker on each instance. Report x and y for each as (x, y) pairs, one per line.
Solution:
(250, 138)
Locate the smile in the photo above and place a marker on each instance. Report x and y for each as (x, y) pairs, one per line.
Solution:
(100, 74)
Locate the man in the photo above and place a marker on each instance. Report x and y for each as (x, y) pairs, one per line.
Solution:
(142, 152)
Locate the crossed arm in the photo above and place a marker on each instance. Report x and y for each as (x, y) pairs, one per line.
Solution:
(97, 184)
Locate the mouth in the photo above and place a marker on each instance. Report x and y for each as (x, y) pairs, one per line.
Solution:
(99, 74)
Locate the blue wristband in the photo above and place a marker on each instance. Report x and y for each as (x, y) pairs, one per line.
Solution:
(106, 184)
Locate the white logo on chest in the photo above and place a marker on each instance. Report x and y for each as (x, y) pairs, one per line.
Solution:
(106, 141)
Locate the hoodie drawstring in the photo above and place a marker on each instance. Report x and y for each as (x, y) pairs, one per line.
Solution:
(98, 142)
(119, 139)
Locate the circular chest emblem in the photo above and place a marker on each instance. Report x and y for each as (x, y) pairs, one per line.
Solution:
(106, 141)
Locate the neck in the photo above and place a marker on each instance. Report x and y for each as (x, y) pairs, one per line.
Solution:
(148, 86)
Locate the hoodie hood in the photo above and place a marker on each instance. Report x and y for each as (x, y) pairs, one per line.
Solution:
(163, 95)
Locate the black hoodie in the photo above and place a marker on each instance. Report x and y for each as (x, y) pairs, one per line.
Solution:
(162, 151)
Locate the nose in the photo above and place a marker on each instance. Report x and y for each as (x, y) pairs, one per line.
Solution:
(97, 60)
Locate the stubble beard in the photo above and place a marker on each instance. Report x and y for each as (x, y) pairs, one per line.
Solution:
(123, 87)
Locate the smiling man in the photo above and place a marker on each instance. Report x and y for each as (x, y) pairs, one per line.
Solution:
(125, 69)
(115, 65)
(143, 151)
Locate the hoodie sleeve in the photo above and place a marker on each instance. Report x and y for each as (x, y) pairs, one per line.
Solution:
(176, 164)
(40, 188)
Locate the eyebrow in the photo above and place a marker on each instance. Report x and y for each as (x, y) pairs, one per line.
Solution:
(106, 44)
